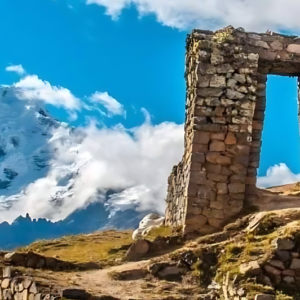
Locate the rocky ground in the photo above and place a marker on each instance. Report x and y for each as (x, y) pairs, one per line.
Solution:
(254, 257)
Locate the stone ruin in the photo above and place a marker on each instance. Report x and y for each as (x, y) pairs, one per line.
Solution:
(226, 75)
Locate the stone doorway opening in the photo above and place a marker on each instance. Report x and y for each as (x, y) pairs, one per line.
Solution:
(280, 135)
(280, 151)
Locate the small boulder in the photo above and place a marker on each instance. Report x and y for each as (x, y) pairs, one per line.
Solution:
(271, 270)
(137, 250)
(154, 268)
(277, 264)
(7, 272)
(74, 293)
(251, 268)
(171, 273)
(148, 221)
(289, 279)
(295, 264)
(283, 255)
(284, 244)
(14, 258)
(5, 283)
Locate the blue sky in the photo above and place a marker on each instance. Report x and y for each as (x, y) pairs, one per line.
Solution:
(137, 60)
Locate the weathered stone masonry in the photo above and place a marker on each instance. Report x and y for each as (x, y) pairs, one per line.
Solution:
(226, 75)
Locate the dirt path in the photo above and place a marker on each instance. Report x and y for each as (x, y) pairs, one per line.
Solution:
(99, 282)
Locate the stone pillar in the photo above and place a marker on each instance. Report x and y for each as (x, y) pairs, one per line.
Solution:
(220, 160)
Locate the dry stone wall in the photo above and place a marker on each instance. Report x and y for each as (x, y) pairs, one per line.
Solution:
(226, 76)
(20, 287)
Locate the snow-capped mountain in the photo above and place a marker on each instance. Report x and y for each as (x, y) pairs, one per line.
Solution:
(29, 138)
(40, 163)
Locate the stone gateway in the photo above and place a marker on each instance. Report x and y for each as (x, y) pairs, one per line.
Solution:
(226, 74)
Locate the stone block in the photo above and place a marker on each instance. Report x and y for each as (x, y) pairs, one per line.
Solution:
(194, 210)
(198, 220)
(223, 160)
(205, 192)
(201, 137)
(213, 213)
(198, 158)
(238, 150)
(208, 127)
(213, 168)
(271, 270)
(206, 68)
(283, 255)
(216, 205)
(295, 264)
(198, 177)
(277, 264)
(210, 92)
(7, 294)
(191, 190)
(233, 128)
(219, 120)
(203, 81)
(5, 283)
(217, 146)
(288, 273)
(218, 81)
(241, 160)
(225, 68)
(217, 177)
(201, 148)
(234, 95)
(241, 78)
(251, 180)
(216, 59)
(230, 139)
(195, 166)
(222, 188)
(212, 101)
(293, 48)
(252, 172)
(284, 244)
(199, 120)
(237, 178)
(235, 188)
(288, 279)
(7, 272)
(238, 196)
(218, 136)
(25, 294)
(225, 171)
(217, 223)
(212, 157)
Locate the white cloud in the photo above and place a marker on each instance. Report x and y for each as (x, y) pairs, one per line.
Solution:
(213, 14)
(31, 87)
(16, 68)
(135, 162)
(278, 175)
(112, 105)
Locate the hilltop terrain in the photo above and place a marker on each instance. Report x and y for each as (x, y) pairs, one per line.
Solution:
(258, 254)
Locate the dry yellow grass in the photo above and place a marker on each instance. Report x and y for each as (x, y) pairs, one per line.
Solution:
(97, 247)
